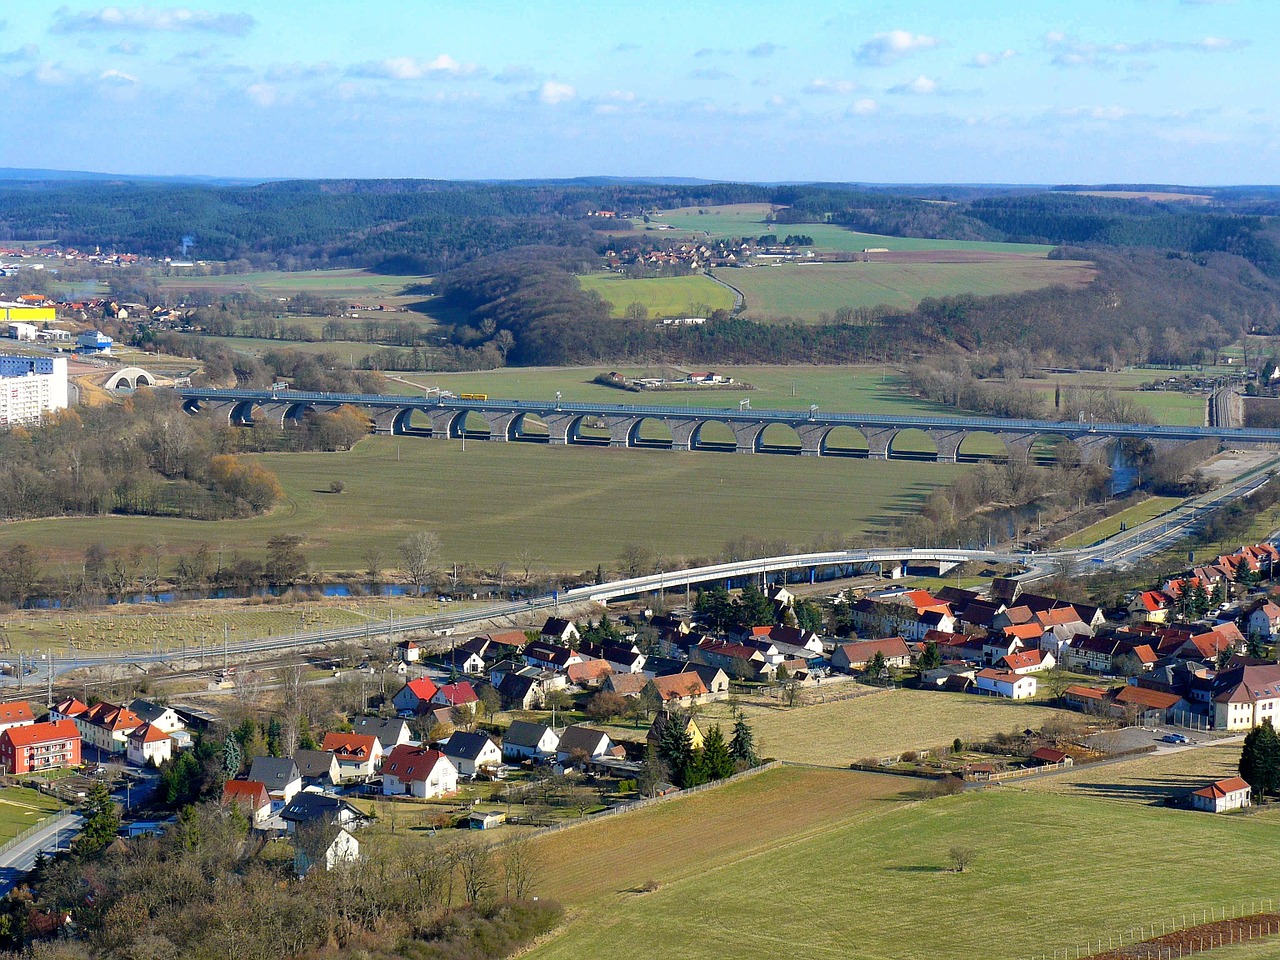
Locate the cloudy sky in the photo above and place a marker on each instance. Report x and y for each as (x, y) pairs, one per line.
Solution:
(1007, 91)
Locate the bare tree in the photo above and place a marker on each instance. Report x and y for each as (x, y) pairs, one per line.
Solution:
(521, 867)
(526, 560)
(373, 563)
(961, 856)
(418, 552)
(475, 870)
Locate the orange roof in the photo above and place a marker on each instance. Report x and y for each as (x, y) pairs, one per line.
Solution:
(589, 670)
(16, 711)
(1145, 654)
(71, 707)
(1152, 699)
(37, 733)
(679, 685)
(1025, 631)
(1220, 788)
(1022, 659)
(148, 733)
(1058, 616)
(112, 717)
(1085, 693)
(246, 791)
(350, 746)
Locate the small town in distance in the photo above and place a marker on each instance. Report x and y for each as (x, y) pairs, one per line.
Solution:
(483, 481)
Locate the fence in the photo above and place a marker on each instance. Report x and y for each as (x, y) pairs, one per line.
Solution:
(1179, 935)
(1189, 720)
(1030, 771)
(650, 801)
(29, 831)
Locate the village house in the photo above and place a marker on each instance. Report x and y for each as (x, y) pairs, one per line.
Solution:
(281, 777)
(1026, 661)
(16, 713)
(686, 724)
(1146, 706)
(466, 659)
(1049, 755)
(39, 746)
(1151, 606)
(550, 656)
(458, 696)
(358, 755)
(1088, 699)
(856, 656)
(559, 631)
(408, 651)
(107, 726)
(251, 797)
(148, 745)
(997, 683)
(472, 754)
(318, 808)
(525, 740)
(1264, 621)
(390, 731)
(713, 678)
(343, 848)
(165, 718)
(736, 659)
(318, 768)
(681, 690)
(1233, 793)
(627, 684)
(1246, 696)
(621, 657)
(583, 741)
(589, 673)
(420, 772)
(414, 697)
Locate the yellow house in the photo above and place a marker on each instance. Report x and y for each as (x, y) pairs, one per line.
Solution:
(690, 726)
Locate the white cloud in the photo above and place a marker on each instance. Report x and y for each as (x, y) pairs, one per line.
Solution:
(553, 93)
(516, 73)
(822, 85)
(710, 73)
(26, 53)
(765, 49)
(411, 68)
(886, 48)
(50, 73)
(985, 59)
(151, 19)
(127, 48)
(864, 107)
(1098, 113)
(1068, 51)
(920, 86)
(117, 76)
(263, 94)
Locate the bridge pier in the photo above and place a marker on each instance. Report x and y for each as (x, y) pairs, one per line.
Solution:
(384, 422)
(812, 437)
(1018, 444)
(621, 430)
(682, 433)
(747, 436)
(947, 442)
(500, 425)
(878, 442)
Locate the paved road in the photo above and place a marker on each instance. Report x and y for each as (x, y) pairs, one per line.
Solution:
(18, 860)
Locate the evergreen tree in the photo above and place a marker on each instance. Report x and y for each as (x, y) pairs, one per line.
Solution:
(752, 609)
(808, 615)
(1260, 760)
(101, 822)
(717, 762)
(714, 608)
(675, 748)
(1218, 596)
(931, 659)
(742, 745)
(875, 666)
(231, 757)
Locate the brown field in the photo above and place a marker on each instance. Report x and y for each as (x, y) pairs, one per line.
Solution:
(706, 832)
(1146, 195)
(883, 724)
(1144, 780)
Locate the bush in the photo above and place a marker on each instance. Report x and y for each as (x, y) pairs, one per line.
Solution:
(910, 757)
(946, 787)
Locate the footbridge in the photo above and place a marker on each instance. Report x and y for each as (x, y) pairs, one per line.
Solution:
(807, 433)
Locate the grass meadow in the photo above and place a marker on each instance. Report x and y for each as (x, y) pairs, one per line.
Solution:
(693, 296)
(338, 284)
(567, 507)
(1049, 871)
(805, 291)
(1139, 513)
(21, 808)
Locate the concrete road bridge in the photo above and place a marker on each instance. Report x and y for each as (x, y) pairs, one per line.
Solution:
(807, 433)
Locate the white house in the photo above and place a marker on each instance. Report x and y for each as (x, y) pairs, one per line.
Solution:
(999, 684)
(358, 754)
(418, 771)
(472, 752)
(1232, 793)
(16, 713)
(1265, 620)
(148, 745)
(529, 741)
(281, 776)
(344, 848)
(158, 715)
(592, 743)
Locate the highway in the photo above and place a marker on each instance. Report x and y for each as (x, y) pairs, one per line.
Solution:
(1071, 429)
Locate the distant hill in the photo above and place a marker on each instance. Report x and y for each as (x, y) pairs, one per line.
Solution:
(37, 175)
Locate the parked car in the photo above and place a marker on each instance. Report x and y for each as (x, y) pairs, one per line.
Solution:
(1175, 738)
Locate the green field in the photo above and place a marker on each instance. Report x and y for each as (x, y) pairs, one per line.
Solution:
(570, 507)
(805, 291)
(339, 284)
(694, 296)
(879, 886)
(1138, 513)
(21, 808)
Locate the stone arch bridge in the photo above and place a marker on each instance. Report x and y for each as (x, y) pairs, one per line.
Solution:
(805, 433)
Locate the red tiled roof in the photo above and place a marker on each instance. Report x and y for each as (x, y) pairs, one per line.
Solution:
(1022, 660)
(1085, 693)
(71, 707)
(246, 791)
(1142, 697)
(409, 763)
(679, 685)
(423, 688)
(457, 694)
(350, 746)
(38, 733)
(16, 711)
(148, 733)
(1220, 788)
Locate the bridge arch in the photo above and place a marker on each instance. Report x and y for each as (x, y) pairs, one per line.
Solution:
(981, 446)
(779, 438)
(713, 435)
(130, 378)
(588, 430)
(1049, 449)
(912, 444)
(241, 414)
(295, 413)
(845, 442)
(528, 428)
(652, 432)
(471, 424)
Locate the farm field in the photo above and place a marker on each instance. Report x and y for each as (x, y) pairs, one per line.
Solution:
(747, 220)
(694, 296)
(883, 724)
(1143, 780)
(671, 840)
(846, 886)
(21, 808)
(570, 508)
(342, 284)
(805, 291)
(1138, 513)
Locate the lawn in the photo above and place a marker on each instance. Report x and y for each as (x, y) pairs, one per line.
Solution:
(747, 220)
(671, 840)
(695, 296)
(805, 291)
(884, 724)
(1139, 513)
(1144, 780)
(880, 886)
(21, 808)
(570, 508)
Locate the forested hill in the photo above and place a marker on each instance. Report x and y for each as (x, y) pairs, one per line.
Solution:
(427, 226)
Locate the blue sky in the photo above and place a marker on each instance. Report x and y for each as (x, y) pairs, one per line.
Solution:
(1043, 91)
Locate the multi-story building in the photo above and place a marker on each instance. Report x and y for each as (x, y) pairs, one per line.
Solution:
(40, 746)
(1246, 696)
(30, 387)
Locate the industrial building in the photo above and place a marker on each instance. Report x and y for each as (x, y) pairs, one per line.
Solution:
(94, 342)
(30, 387)
(12, 312)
